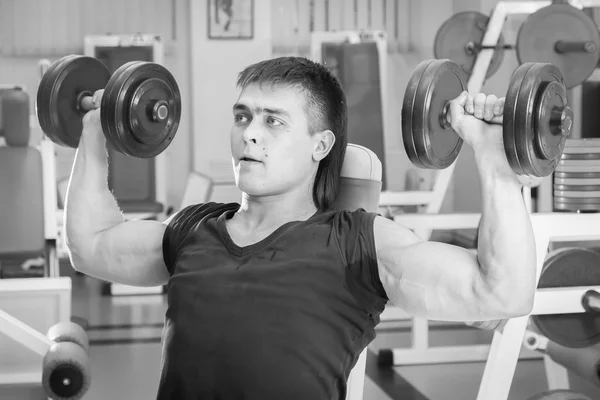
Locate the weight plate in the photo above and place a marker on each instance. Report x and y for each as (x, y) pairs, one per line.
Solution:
(42, 103)
(573, 267)
(576, 175)
(580, 208)
(589, 143)
(112, 118)
(571, 168)
(576, 188)
(579, 163)
(59, 92)
(532, 139)
(577, 194)
(579, 201)
(576, 183)
(570, 204)
(591, 149)
(458, 37)
(428, 139)
(407, 111)
(141, 109)
(580, 155)
(559, 394)
(539, 33)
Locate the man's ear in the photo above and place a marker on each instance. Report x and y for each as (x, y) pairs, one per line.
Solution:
(324, 142)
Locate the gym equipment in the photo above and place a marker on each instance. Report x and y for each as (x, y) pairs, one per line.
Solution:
(577, 176)
(60, 368)
(501, 357)
(536, 120)
(459, 39)
(69, 332)
(584, 362)
(66, 369)
(14, 113)
(560, 394)
(562, 35)
(570, 267)
(140, 109)
(558, 34)
(559, 296)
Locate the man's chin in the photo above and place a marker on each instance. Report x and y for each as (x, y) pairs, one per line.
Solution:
(251, 189)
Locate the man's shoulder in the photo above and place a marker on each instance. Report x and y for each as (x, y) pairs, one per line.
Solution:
(349, 216)
(201, 211)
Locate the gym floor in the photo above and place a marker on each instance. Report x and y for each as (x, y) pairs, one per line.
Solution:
(125, 352)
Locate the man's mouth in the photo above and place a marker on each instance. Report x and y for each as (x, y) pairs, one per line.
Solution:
(248, 159)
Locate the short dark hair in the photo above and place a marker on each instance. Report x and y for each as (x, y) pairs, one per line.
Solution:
(326, 108)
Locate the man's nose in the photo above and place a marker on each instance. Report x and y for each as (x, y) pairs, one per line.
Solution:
(253, 132)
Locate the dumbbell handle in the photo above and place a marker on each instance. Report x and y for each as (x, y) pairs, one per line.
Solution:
(591, 301)
(84, 102)
(561, 119)
(447, 121)
(158, 110)
(581, 46)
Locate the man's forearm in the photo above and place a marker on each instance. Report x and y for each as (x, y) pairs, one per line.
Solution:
(90, 206)
(506, 245)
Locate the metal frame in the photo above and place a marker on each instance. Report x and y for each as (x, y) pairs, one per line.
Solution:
(46, 148)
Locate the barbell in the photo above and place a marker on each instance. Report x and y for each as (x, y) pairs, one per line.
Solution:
(536, 119)
(559, 34)
(140, 108)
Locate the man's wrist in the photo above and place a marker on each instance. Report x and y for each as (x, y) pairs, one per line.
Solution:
(492, 162)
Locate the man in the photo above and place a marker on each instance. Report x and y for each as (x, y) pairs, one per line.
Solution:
(276, 297)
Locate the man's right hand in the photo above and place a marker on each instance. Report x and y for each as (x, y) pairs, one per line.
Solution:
(91, 120)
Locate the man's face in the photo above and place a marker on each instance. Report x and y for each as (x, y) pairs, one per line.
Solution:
(272, 150)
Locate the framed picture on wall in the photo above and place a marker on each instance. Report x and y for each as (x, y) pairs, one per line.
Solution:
(230, 19)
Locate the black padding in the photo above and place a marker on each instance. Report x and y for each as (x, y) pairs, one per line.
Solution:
(15, 117)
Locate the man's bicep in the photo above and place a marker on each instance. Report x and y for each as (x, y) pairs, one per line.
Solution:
(131, 253)
(431, 279)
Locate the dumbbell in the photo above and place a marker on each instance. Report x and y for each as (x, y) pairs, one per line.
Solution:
(536, 120)
(140, 109)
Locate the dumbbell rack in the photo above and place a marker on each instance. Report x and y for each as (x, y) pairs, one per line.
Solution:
(420, 353)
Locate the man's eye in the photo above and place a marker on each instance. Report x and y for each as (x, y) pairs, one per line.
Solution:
(240, 118)
(273, 121)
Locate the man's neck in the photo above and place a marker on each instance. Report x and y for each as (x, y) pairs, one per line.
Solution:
(259, 213)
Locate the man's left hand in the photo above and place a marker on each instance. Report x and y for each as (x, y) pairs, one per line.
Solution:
(471, 116)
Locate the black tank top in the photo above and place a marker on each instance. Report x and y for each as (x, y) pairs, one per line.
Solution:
(284, 318)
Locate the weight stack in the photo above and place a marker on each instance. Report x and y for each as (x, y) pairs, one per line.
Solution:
(577, 177)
